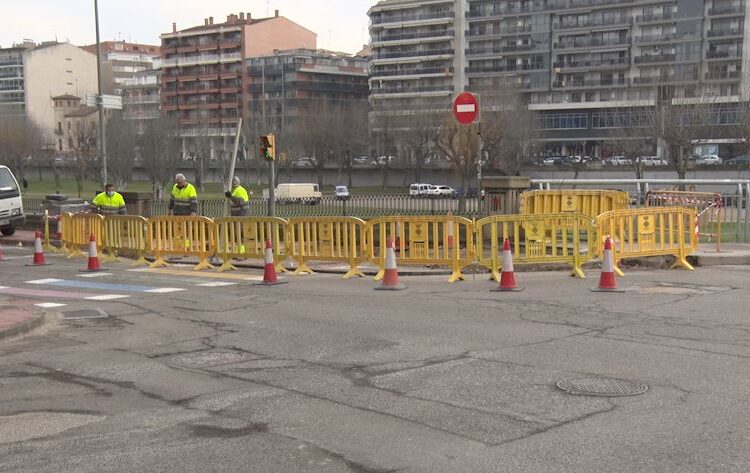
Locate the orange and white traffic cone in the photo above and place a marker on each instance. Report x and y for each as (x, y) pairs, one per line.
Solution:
(269, 274)
(38, 251)
(390, 275)
(449, 230)
(607, 281)
(93, 265)
(507, 274)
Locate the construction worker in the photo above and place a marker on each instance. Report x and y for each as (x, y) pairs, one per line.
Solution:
(109, 202)
(184, 199)
(240, 200)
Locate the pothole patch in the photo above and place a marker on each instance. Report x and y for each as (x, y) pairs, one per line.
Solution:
(213, 357)
(605, 387)
(679, 289)
(84, 314)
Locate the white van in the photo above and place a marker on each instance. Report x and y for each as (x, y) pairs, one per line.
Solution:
(298, 192)
(11, 207)
(419, 190)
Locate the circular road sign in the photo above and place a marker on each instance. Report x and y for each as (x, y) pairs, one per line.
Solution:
(466, 108)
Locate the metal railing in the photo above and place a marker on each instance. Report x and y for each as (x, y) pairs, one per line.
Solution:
(735, 218)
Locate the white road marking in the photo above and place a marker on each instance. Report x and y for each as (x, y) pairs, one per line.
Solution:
(3, 287)
(43, 281)
(107, 297)
(216, 284)
(49, 305)
(94, 275)
(162, 290)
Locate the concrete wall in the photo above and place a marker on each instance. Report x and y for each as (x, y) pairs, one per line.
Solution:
(277, 33)
(56, 70)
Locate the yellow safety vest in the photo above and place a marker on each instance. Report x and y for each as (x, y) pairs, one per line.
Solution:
(107, 205)
(240, 202)
(184, 201)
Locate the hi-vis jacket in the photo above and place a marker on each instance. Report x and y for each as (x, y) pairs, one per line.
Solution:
(184, 201)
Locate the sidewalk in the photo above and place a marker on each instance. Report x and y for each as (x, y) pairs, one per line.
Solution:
(17, 320)
(25, 237)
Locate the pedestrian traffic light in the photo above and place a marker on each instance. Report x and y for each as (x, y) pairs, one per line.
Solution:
(268, 147)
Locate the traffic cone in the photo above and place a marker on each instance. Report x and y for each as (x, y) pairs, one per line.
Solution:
(390, 275)
(507, 275)
(38, 251)
(93, 265)
(449, 230)
(607, 281)
(269, 274)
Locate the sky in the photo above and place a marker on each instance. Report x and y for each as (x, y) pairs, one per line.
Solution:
(341, 25)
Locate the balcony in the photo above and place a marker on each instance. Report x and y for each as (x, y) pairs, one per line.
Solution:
(665, 38)
(384, 38)
(592, 43)
(503, 12)
(509, 30)
(411, 90)
(510, 48)
(198, 90)
(716, 76)
(506, 69)
(667, 16)
(448, 16)
(727, 10)
(229, 44)
(594, 23)
(577, 83)
(725, 55)
(655, 58)
(607, 64)
(723, 32)
(408, 54)
(201, 59)
(423, 71)
(596, 3)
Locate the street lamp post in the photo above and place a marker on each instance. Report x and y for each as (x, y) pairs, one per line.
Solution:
(100, 101)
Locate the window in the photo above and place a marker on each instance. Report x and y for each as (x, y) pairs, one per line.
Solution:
(559, 121)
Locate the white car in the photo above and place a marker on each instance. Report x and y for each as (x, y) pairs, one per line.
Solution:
(419, 190)
(442, 191)
(620, 161)
(653, 161)
(341, 193)
(709, 160)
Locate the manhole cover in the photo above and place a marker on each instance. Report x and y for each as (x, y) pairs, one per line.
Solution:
(84, 314)
(608, 387)
(210, 358)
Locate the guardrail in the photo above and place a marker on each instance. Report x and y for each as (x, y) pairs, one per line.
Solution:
(245, 237)
(337, 239)
(182, 236)
(78, 229)
(126, 234)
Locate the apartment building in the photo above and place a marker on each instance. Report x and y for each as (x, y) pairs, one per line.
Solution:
(12, 90)
(204, 80)
(288, 85)
(588, 66)
(140, 98)
(121, 61)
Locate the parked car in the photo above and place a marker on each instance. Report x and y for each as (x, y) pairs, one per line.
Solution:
(708, 160)
(304, 162)
(418, 190)
(653, 161)
(742, 160)
(361, 160)
(341, 193)
(383, 160)
(11, 206)
(554, 161)
(296, 192)
(444, 191)
(620, 161)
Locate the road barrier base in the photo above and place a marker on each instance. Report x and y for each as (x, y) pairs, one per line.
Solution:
(507, 289)
(354, 271)
(275, 283)
(397, 287)
(599, 289)
(682, 263)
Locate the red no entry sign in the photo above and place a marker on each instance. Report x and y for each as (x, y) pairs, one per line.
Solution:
(466, 108)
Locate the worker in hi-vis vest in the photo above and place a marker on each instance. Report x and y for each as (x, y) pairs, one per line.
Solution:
(240, 206)
(184, 199)
(109, 202)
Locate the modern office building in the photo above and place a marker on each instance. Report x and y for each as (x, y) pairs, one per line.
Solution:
(290, 84)
(12, 90)
(121, 61)
(140, 98)
(204, 80)
(585, 66)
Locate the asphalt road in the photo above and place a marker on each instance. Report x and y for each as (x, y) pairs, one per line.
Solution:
(326, 375)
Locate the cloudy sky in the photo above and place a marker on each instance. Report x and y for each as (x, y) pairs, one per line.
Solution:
(341, 25)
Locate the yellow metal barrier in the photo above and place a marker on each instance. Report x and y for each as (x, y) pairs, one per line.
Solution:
(650, 231)
(245, 237)
(77, 230)
(48, 246)
(708, 205)
(430, 240)
(587, 202)
(341, 239)
(125, 233)
(536, 239)
(182, 236)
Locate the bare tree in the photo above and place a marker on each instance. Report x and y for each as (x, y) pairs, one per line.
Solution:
(632, 136)
(121, 150)
(21, 141)
(82, 160)
(741, 130)
(460, 146)
(417, 144)
(161, 151)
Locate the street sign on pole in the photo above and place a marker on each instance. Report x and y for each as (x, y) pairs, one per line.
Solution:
(466, 108)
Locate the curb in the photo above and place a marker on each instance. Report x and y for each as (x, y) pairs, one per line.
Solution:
(24, 327)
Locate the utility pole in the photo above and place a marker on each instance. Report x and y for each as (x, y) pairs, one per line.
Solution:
(100, 100)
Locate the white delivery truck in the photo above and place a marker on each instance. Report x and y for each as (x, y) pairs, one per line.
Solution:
(296, 192)
(11, 207)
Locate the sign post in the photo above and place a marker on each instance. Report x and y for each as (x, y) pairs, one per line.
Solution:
(466, 111)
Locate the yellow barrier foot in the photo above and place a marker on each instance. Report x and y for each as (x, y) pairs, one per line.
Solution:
(50, 248)
(495, 276)
(303, 269)
(618, 271)
(158, 263)
(353, 272)
(578, 273)
(380, 275)
(227, 266)
(683, 263)
(140, 261)
(280, 268)
(456, 276)
(203, 265)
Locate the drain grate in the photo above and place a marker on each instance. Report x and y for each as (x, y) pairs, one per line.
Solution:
(607, 387)
(84, 314)
(212, 357)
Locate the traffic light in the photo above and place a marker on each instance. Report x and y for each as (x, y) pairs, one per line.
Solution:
(268, 147)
